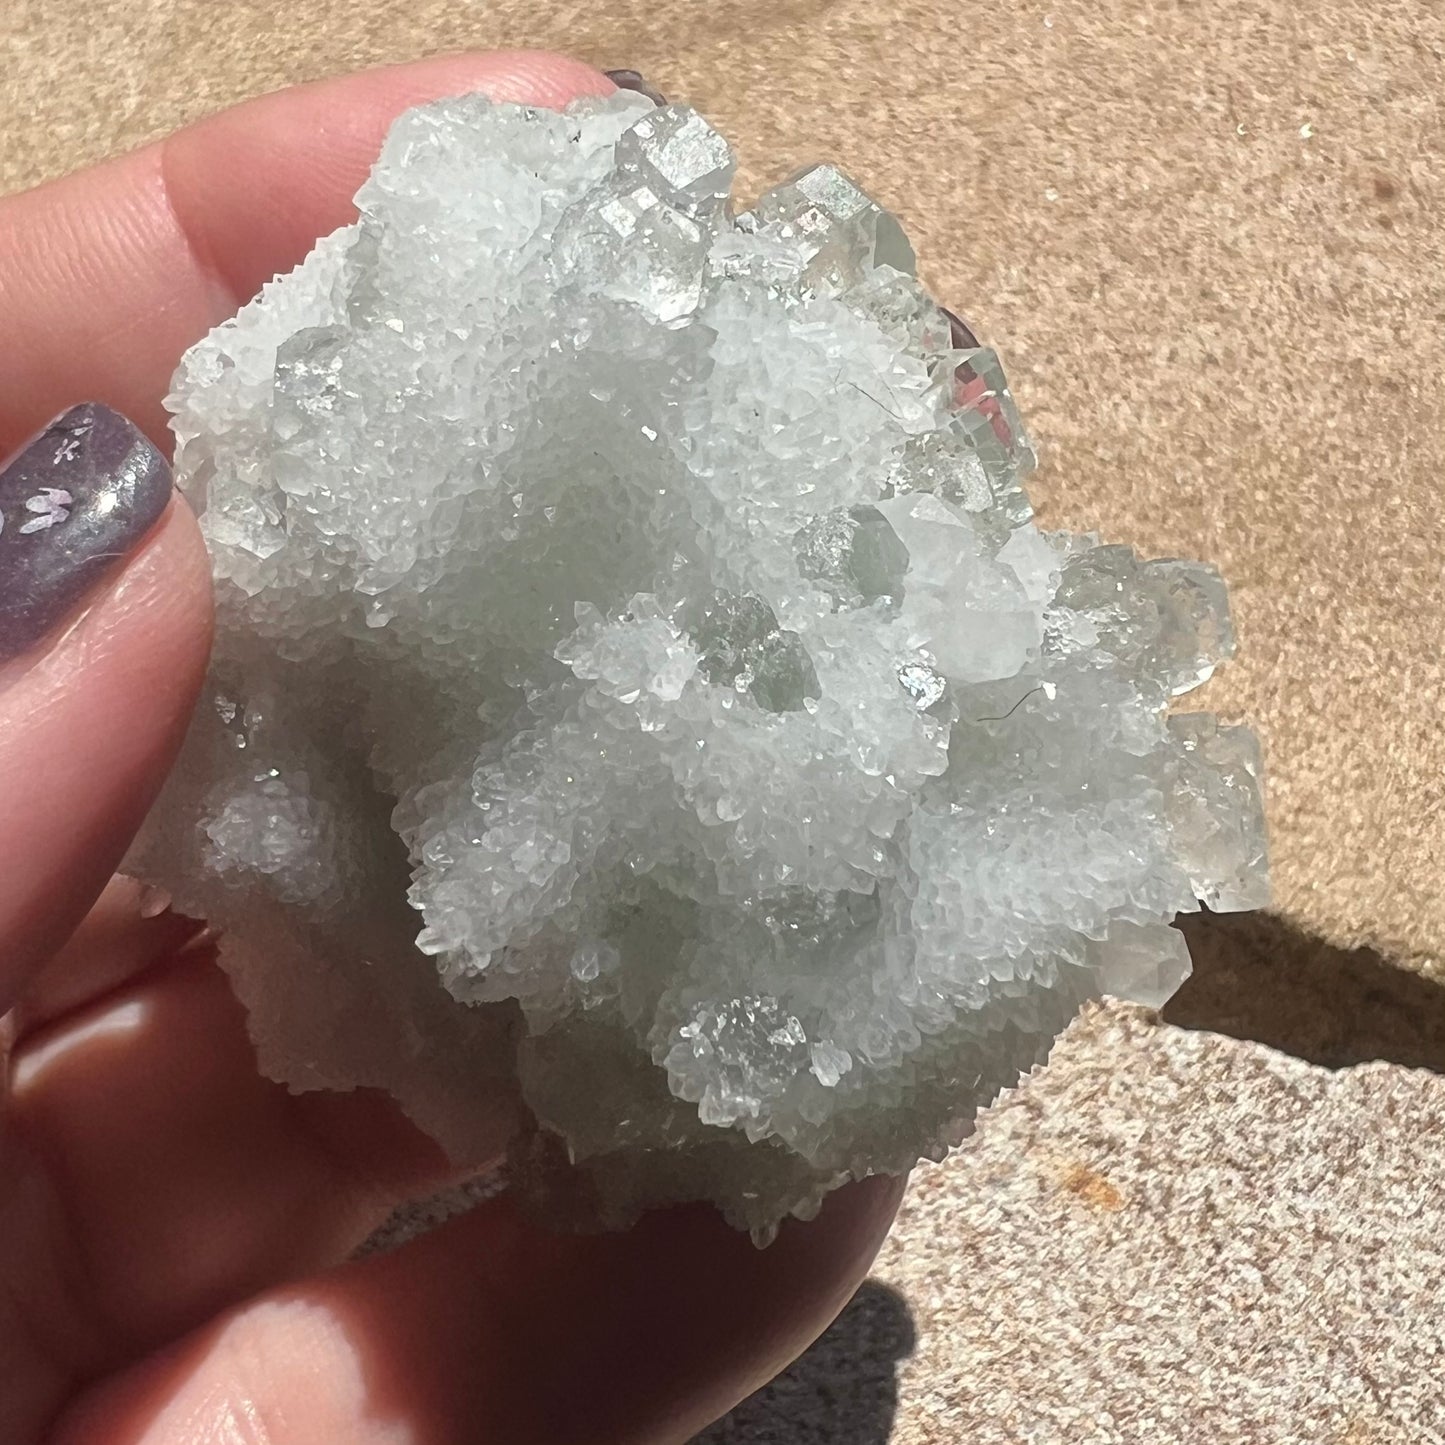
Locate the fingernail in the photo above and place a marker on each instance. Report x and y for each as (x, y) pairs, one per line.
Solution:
(153, 901)
(961, 335)
(74, 501)
(632, 80)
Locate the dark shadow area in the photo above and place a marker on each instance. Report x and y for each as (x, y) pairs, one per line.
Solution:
(843, 1391)
(1258, 977)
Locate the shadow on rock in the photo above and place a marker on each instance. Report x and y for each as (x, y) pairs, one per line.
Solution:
(1258, 977)
(844, 1391)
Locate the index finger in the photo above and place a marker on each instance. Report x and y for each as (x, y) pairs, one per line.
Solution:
(112, 273)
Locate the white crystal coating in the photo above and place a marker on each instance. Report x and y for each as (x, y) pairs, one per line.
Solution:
(655, 588)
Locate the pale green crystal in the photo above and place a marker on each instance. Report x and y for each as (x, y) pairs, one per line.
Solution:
(644, 709)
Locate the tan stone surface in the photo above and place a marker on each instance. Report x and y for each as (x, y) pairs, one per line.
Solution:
(1162, 1237)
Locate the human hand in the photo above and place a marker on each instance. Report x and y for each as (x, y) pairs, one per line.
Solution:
(176, 1232)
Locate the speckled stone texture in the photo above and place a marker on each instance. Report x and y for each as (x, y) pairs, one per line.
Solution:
(1208, 237)
(1161, 1236)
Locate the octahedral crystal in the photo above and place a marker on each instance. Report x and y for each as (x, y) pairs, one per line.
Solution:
(646, 725)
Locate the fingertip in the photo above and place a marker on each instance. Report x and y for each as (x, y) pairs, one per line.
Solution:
(493, 1330)
(129, 928)
(144, 641)
(293, 160)
(167, 587)
(496, 1324)
(528, 77)
(90, 722)
(114, 271)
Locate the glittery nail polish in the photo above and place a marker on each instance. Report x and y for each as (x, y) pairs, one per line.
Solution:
(73, 502)
(632, 80)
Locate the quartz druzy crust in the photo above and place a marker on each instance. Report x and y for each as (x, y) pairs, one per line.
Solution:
(646, 725)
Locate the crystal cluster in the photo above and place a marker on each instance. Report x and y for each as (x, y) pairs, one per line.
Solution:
(647, 728)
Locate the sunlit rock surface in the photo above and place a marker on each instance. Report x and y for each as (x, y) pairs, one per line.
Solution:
(646, 725)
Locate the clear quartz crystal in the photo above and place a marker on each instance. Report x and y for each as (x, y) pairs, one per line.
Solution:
(838, 233)
(647, 730)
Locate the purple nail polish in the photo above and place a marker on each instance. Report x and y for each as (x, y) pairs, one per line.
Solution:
(74, 501)
(960, 333)
(632, 80)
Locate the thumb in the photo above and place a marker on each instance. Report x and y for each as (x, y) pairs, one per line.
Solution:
(105, 624)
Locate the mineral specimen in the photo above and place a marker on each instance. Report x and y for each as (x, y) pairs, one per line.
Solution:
(654, 588)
